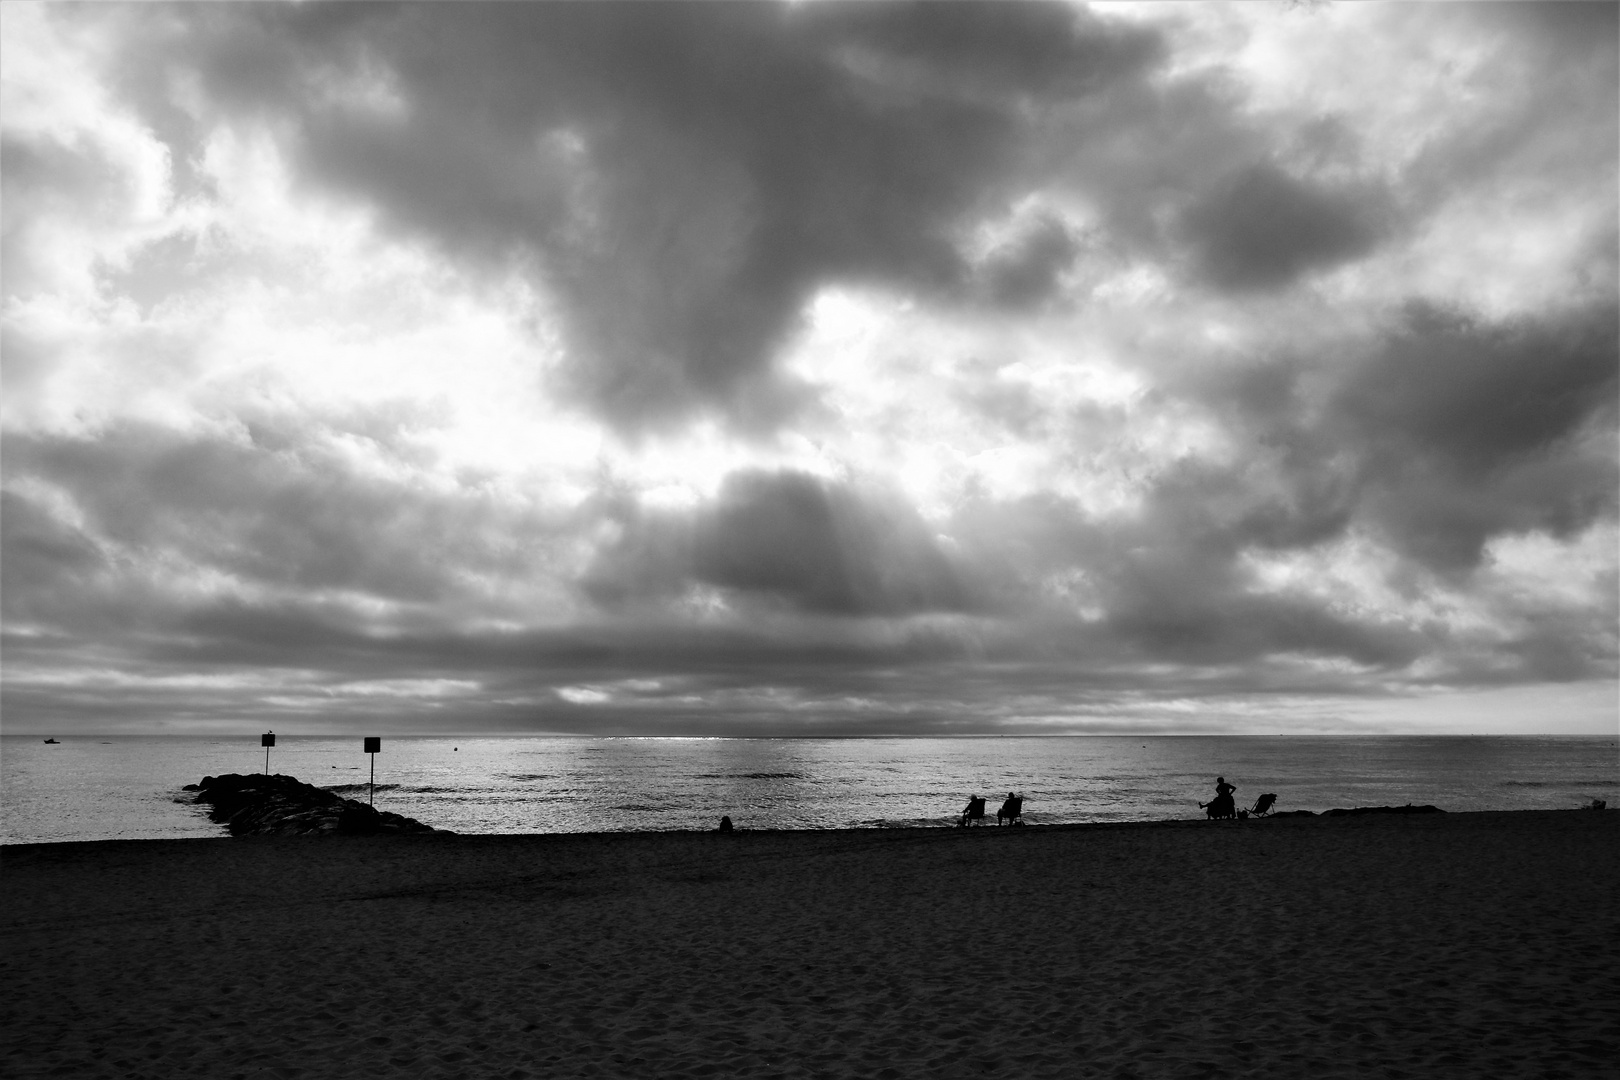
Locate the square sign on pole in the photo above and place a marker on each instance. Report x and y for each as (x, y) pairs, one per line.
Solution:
(373, 747)
(267, 740)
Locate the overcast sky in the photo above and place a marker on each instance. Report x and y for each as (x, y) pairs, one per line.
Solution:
(763, 368)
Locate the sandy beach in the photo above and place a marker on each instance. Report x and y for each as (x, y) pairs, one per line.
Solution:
(1465, 945)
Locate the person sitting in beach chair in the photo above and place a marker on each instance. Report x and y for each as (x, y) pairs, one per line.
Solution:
(1012, 811)
(1262, 806)
(972, 813)
(1222, 805)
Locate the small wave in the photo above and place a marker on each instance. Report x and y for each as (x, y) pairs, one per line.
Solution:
(639, 806)
(530, 776)
(751, 776)
(409, 789)
(1572, 782)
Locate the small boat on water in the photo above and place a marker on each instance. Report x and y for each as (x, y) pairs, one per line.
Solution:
(50, 740)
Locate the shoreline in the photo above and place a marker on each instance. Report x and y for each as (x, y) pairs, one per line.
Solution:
(1466, 944)
(1334, 814)
(509, 786)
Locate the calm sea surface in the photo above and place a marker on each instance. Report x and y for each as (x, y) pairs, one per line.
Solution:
(105, 788)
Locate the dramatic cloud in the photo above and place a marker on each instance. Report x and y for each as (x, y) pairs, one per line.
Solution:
(1260, 228)
(681, 176)
(1473, 431)
(789, 539)
(810, 368)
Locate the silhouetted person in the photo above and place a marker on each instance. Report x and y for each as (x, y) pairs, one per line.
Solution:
(973, 811)
(725, 825)
(1012, 810)
(1221, 805)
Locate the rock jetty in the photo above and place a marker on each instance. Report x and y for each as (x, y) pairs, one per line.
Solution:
(1407, 809)
(1358, 810)
(279, 805)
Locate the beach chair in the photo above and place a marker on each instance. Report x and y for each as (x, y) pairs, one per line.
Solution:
(1262, 806)
(1012, 811)
(974, 814)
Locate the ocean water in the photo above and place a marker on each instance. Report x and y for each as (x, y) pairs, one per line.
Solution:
(96, 788)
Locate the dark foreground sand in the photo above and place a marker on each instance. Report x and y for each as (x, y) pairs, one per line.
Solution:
(1467, 945)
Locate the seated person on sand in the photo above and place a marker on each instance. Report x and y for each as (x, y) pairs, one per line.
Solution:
(1012, 810)
(1221, 805)
(973, 811)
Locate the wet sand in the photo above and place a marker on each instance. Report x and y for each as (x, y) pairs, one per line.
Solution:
(1465, 945)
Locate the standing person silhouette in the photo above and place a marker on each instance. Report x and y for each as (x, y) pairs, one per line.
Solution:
(1223, 790)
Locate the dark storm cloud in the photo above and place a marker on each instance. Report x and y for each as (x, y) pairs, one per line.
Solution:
(1261, 228)
(1479, 395)
(43, 557)
(1469, 430)
(284, 510)
(1440, 430)
(824, 548)
(1190, 174)
(1169, 583)
(1185, 174)
(787, 538)
(1027, 270)
(683, 174)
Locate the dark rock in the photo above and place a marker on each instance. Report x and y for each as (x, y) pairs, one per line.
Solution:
(258, 805)
(1407, 809)
(1294, 813)
(725, 825)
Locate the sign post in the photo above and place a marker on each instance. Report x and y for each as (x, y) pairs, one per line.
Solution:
(373, 747)
(267, 740)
